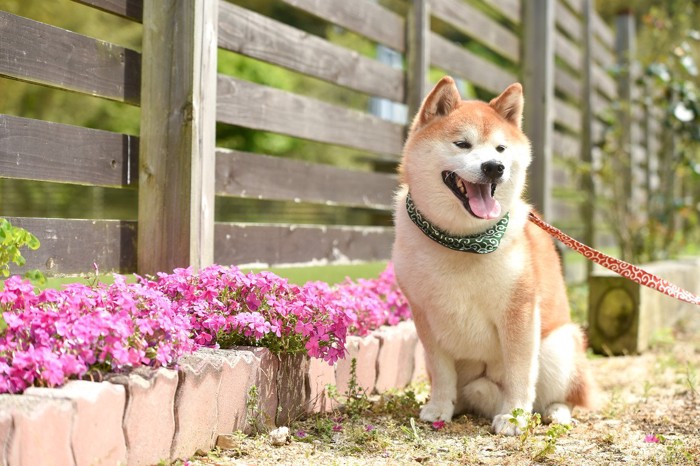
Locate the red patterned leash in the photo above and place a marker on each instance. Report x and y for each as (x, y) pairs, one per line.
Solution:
(618, 266)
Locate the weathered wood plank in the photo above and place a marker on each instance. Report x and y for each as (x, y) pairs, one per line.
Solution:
(566, 145)
(254, 106)
(603, 56)
(478, 26)
(257, 36)
(455, 59)
(46, 151)
(178, 134)
(130, 9)
(249, 175)
(364, 17)
(567, 21)
(575, 5)
(567, 51)
(567, 115)
(604, 82)
(268, 245)
(39, 53)
(603, 31)
(70, 247)
(567, 84)
(509, 8)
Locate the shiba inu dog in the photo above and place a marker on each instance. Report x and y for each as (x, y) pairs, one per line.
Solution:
(484, 284)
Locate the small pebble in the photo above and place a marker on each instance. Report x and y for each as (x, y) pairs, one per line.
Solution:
(279, 436)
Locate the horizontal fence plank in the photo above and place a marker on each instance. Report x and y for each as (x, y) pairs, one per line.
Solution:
(509, 8)
(565, 145)
(567, 21)
(576, 5)
(130, 9)
(600, 131)
(260, 37)
(603, 31)
(477, 25)
(567, 51)
(46, 151)
(604, 82)
(361, 16)
(602, 55)
(254, 106)
(70, 246)
(259, 176)
(39, 53)
(268, 245)
(567, 84)
(567, 115)
(600, 103)
(455, 59)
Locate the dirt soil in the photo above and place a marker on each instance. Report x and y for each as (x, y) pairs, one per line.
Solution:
(651, 417)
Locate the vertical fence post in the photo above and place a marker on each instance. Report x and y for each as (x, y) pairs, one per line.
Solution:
(418, 54)
(587, 184)
(538, 81)
(178, 135)
(624, 47)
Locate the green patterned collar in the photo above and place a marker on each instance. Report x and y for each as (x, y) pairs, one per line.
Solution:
(483, 243)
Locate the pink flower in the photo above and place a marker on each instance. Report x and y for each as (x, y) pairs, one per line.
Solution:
(337, 428)
(651, 438)
(439, 424)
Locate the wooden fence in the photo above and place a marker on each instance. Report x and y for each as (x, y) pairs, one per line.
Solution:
(560, 49)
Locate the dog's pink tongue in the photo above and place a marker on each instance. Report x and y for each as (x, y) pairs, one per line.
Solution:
(481, 202)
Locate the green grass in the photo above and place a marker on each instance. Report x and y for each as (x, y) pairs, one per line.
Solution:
(332, 274)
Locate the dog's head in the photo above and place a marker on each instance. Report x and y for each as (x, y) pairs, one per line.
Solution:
(465, 161)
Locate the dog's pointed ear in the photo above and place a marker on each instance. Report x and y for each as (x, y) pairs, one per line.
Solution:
(510, 104)
(440, 102)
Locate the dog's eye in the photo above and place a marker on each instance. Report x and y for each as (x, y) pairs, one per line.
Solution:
(500, 148)
(463, 144)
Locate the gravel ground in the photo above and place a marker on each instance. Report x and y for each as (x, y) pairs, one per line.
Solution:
(651, 417)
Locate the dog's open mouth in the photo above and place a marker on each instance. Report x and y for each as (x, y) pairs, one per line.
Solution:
(477, 198)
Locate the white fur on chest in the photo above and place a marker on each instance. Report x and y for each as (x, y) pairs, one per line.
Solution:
(462, 295)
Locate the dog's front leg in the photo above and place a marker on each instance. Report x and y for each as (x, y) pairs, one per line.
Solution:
(520, 343)
(443, 386)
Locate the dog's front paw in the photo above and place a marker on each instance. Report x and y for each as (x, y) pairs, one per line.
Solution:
(434, 411)
(507, 424)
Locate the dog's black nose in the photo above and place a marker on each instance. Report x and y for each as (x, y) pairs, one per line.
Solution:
(493, 169)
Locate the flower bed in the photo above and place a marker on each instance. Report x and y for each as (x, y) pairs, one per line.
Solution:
(55, 335)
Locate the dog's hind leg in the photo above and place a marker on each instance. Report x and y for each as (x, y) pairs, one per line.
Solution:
(481, 396)
(559, 374)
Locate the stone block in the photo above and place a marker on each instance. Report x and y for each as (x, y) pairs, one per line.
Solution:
(245, 372)
(149, 418)
(239, 372)
(32, 417)
(291, 388)
(625, 317)
(364, 350)
(97, 437)
(266, 385)
(5, 433)
(396, 357)
(195, 404)
(320, 375)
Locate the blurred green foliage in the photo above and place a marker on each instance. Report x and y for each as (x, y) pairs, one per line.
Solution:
(666, 64)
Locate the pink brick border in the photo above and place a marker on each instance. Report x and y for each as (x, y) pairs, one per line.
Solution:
(152, 415)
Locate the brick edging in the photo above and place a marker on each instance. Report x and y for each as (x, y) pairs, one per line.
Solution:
(152, 415)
